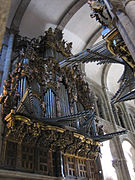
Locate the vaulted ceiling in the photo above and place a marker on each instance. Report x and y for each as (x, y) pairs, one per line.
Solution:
(33, 17)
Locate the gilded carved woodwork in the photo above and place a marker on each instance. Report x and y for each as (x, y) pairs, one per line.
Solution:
(22, 129)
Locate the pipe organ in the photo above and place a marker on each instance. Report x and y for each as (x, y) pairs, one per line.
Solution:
(48, 112)
(50, 104)
(64, 103)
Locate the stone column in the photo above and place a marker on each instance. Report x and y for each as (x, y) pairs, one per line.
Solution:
(128, 33)
(115, 110)
(103, 110)
(7, 60)
(123, 22)
(117, 163)
(128, 26)
(5, 76)
(108, 106)
(128, 120)
(130, 10)
(123, 169)
(96, 107)
(127, 40)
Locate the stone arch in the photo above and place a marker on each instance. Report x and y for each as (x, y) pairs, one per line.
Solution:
(69, 13)
(104, 75)
(18, 15)
(93, 38)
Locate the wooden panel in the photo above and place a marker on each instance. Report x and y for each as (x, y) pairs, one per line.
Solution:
(93, 169)
(80, 167)
(28, 157)
(11, 151)
(45, 164)
(70, 166)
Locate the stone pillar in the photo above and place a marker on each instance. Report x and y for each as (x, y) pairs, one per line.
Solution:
(2, 59)
(4, 77)
(125, 37)
(123, 22)
(7, 60)
(128, 31)
(120, 163)
(130, 10)
(106, 111)
(115, 111)
(121, 118)
(117, 163)
(96, 107)
(103, 110)
(128, 120)
(109, 110)
(123, 170)
(128, 26)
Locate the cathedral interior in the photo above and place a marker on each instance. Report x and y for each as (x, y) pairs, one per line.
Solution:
(67, 90)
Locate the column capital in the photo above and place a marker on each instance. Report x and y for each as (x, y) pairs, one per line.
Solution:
(116, 163)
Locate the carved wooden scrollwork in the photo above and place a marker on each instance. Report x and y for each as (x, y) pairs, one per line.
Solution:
(50, 137)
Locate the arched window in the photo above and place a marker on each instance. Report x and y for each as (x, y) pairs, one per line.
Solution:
(129, 152)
